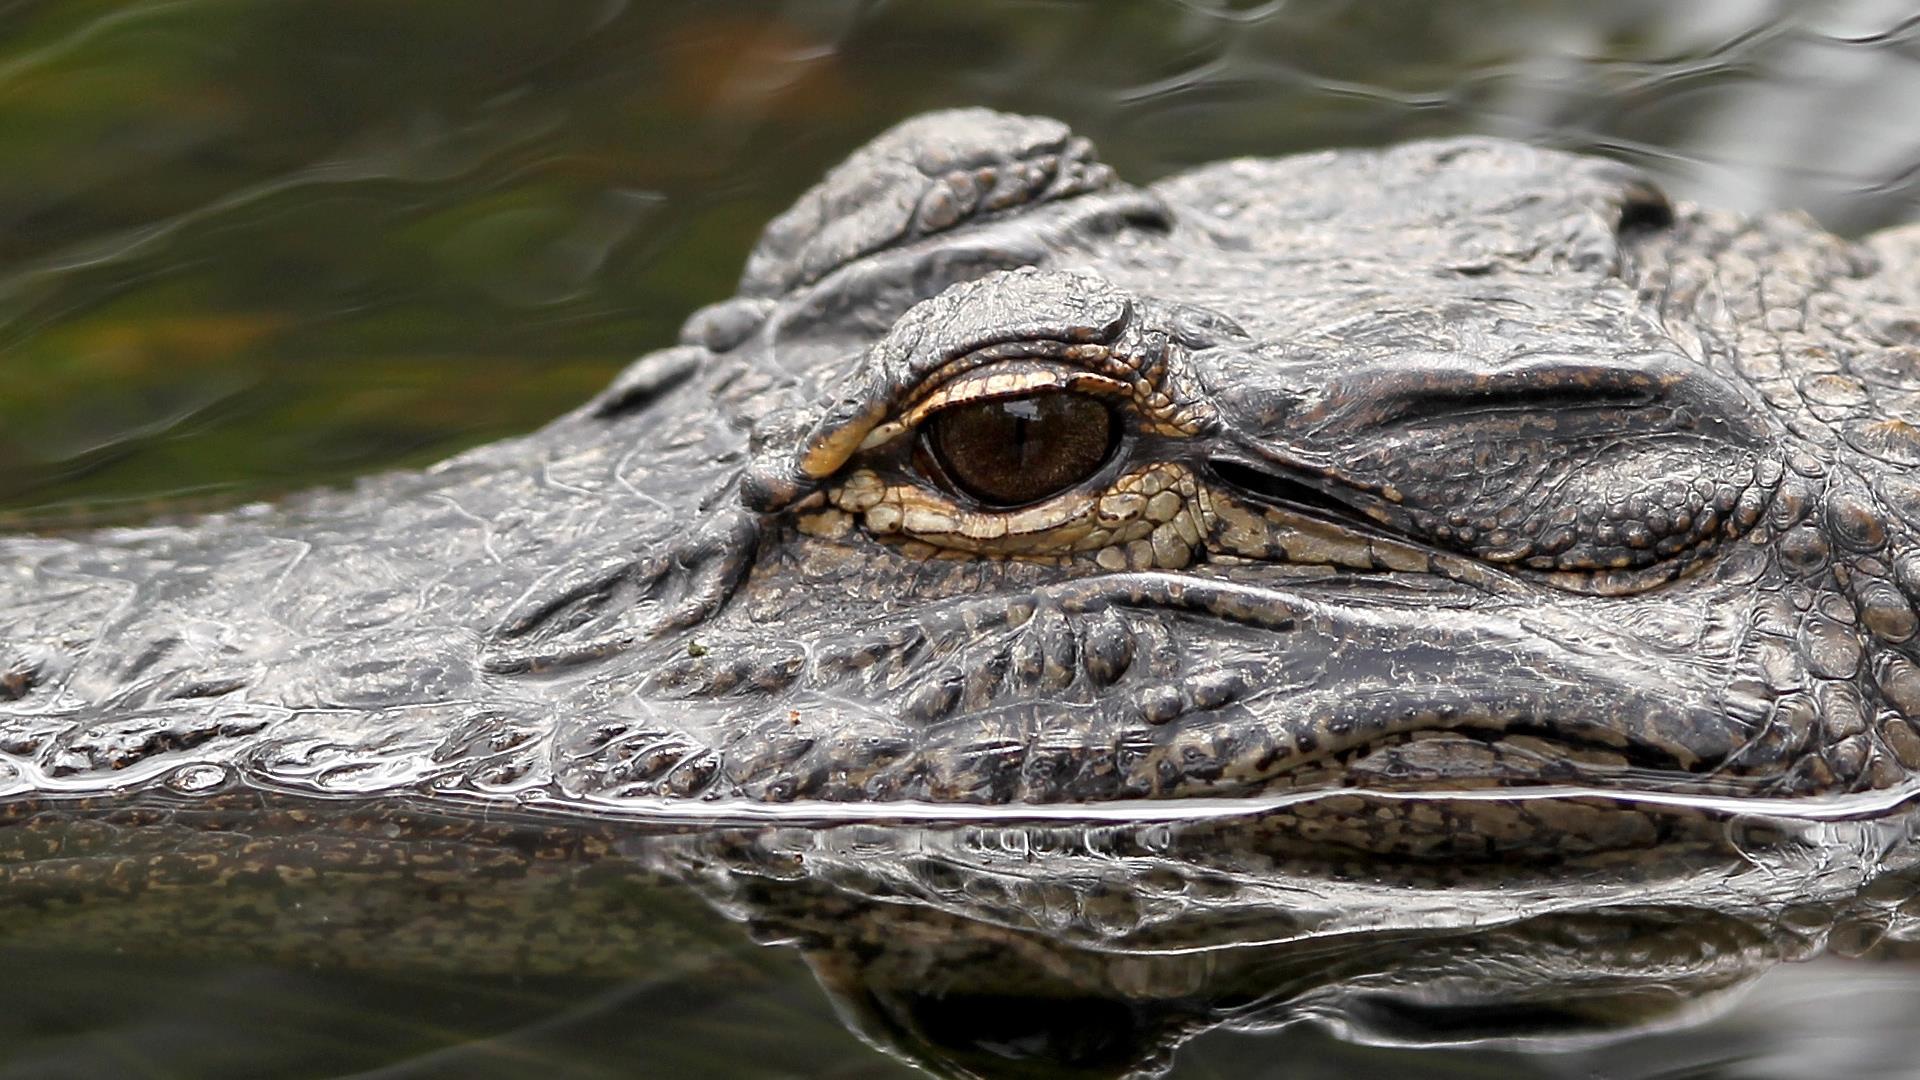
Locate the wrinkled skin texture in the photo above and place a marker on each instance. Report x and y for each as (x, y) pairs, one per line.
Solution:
(1455, 465)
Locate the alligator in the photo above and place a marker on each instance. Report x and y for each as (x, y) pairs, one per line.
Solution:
(1460, 466)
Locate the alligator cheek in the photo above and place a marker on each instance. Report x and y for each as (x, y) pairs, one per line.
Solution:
(1145, 686)
(1424, 700)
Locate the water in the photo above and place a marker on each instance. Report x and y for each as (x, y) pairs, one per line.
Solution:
(249, 935)
(251, 248)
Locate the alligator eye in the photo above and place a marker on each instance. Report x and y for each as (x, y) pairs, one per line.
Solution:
(1018, 450)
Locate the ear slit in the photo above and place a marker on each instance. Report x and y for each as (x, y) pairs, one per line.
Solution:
(1645, 208)
(646, 381)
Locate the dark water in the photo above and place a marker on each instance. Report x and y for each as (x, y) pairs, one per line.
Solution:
(311, 939)
(298, 938)
(250, 247)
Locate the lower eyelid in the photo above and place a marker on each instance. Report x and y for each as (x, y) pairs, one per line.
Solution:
(1078, 523)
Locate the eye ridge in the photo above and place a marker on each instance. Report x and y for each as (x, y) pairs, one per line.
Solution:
(1009, 452)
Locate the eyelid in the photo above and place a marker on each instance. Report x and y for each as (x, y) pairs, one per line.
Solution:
(996, 382)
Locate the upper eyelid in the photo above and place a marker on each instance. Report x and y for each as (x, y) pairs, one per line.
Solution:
(1067, 318)
(967, 324)
(995, 382)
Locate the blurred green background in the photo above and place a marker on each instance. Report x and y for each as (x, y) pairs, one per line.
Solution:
(251, 245)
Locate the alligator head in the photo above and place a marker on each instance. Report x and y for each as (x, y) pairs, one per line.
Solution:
(1456, 466)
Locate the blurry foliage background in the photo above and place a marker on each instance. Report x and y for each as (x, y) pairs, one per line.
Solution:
(249, 245)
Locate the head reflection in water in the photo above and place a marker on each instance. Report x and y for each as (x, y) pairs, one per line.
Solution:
(1038, 951)
(983, 951)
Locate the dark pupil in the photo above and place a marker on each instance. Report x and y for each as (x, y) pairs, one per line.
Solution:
(1019, 450)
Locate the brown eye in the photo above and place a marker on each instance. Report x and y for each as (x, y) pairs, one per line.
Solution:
(1020, 450)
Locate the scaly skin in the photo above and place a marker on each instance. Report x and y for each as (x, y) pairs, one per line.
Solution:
(1451, 466)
